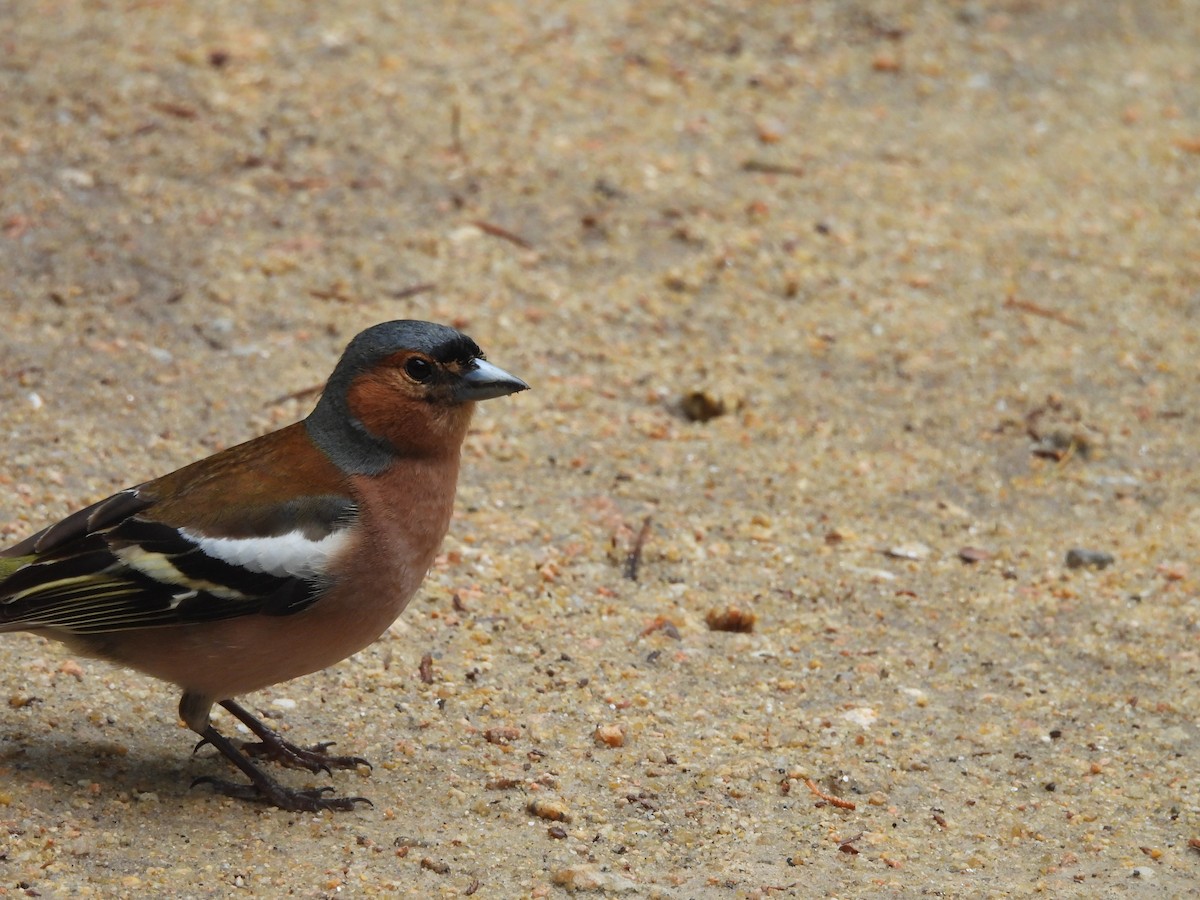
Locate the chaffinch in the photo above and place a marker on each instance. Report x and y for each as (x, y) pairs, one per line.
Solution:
(274, 558)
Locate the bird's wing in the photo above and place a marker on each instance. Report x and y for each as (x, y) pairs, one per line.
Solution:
(139, 573)
(224, 545)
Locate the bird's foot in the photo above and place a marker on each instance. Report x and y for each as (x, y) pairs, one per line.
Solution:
(274, 748)
(262, 788)
(275, 794)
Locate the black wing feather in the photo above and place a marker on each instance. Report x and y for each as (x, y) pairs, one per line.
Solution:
(82, 523)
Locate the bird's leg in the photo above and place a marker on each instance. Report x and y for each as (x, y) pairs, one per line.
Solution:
(194, 710)
(273, 747)
(265, 789)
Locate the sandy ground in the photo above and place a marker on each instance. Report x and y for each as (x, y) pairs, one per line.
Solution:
(938, 264)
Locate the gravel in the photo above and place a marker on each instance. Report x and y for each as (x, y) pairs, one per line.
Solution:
(928, 273)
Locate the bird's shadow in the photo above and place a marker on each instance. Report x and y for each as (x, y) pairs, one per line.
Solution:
(67, 767)
(48, 770)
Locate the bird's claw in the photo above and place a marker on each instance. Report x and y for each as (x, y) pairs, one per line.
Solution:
(307, 800)
(313, 758)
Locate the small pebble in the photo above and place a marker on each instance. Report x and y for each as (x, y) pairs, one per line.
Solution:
(72, 668)
(770, 130)
(592, 878)
(973, 554)
(911, 550)
(552, 810)
(731, 618)
(863, 716)
(504, 735)
(609, 736)
(1078, 558)
(703, 405)
(77, 178)
(1172, 571)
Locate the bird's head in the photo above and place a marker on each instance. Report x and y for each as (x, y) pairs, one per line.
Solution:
(403, 389)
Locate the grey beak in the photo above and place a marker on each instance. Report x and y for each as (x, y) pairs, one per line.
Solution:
(483, 381)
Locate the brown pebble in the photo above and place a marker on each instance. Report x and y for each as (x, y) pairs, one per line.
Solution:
(505, 735)
(609, 735)
(701, 406)
(1173, 571)
(553, 810)
(557, 832)
(434, 866)
(731, 618)
(72, 668)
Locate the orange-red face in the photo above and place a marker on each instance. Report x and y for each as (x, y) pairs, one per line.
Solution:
(411, 400)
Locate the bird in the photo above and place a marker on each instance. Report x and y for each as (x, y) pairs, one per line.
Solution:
(274, 558)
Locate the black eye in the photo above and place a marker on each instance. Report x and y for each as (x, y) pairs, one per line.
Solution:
(418, 369)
